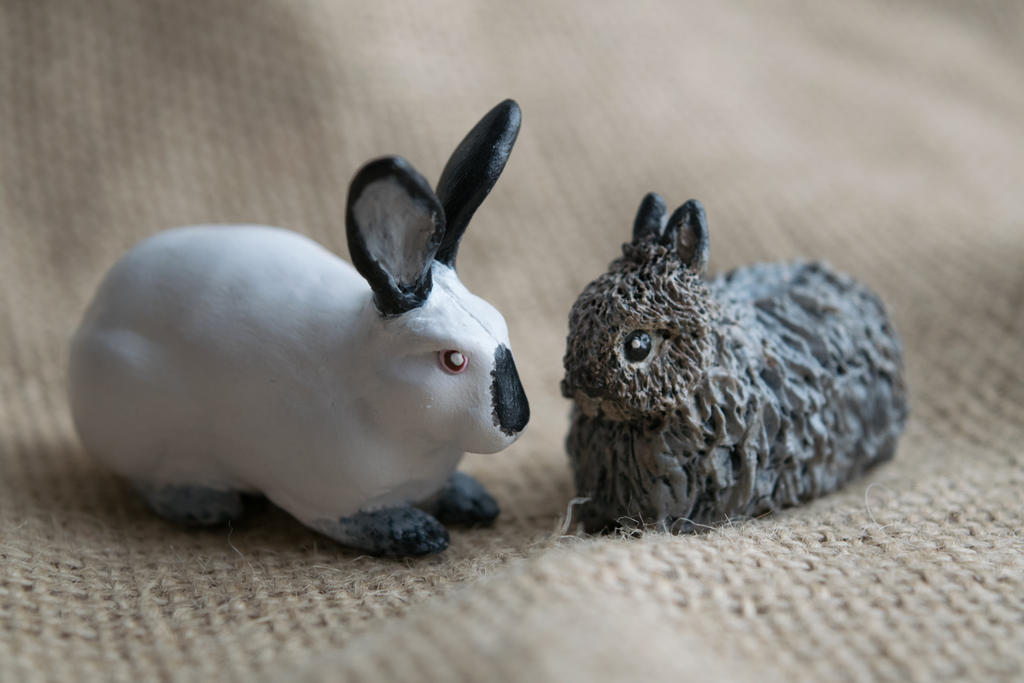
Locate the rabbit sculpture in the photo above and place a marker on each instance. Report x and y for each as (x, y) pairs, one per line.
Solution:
(698, 402)
(217, 361)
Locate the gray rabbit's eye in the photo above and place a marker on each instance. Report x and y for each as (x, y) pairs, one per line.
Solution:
(637, 346)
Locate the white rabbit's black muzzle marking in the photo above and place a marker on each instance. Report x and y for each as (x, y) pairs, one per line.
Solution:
(511, 409)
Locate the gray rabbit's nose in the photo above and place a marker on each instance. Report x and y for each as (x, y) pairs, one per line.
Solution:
(511, 410)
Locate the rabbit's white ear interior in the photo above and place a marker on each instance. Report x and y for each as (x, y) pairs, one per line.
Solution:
(395, 224)
(396, 230)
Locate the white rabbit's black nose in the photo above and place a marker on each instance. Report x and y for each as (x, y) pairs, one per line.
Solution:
(511, 409)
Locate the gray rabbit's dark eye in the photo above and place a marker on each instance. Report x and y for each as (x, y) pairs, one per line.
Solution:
(637, 346)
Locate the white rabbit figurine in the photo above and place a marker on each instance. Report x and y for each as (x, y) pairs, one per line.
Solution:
(217, 361)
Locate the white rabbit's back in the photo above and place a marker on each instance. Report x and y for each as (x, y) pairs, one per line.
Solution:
(195, 343)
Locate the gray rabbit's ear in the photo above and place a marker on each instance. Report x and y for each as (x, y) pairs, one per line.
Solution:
(688, 228)
(650, 218)
(394, 224)
(472, 170)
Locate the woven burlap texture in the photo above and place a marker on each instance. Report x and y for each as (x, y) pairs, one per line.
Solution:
(888, 139)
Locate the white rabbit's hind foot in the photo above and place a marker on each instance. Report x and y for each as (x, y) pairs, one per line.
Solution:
(402, 531)
(192, 505)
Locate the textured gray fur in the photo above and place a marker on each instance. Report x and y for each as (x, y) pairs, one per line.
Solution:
(766, 387)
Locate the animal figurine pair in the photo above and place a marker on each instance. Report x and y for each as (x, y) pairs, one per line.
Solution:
(219, 361)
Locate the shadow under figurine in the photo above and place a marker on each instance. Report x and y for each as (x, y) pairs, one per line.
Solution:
(222, 360)
(698, 402)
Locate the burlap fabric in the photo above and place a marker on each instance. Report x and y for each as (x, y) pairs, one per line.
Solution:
(887, 139)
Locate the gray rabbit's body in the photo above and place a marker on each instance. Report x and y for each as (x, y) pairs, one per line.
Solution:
(766, 387)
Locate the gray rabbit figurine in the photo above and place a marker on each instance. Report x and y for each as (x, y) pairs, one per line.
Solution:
(699, 402)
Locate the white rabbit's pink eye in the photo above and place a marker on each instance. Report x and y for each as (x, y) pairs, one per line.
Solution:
(453, 361)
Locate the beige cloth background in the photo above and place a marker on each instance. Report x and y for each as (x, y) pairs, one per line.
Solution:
(887, 138)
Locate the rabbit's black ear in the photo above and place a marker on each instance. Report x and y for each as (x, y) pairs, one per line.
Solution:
(394, 225)
(688, 227)
(650, 218)
(472, 170)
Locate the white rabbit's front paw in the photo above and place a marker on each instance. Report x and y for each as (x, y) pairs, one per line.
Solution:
(464, 501)
(402, 531)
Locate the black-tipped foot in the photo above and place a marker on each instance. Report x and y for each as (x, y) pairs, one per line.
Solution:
(390, 532)
(465, 502)
(193, 505)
